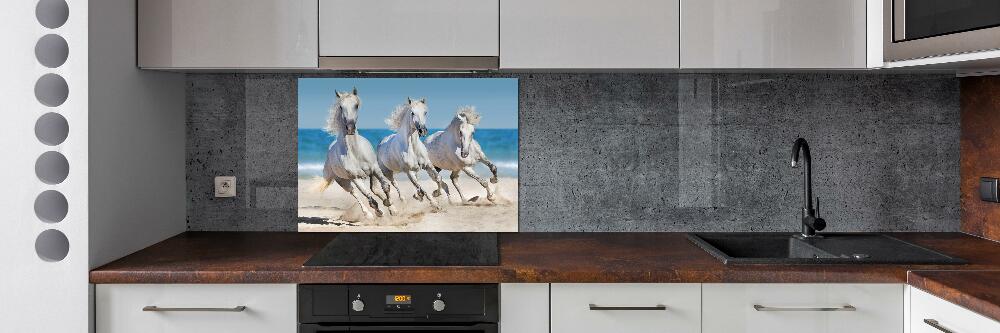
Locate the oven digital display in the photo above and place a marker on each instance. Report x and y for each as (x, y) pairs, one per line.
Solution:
(398, 299)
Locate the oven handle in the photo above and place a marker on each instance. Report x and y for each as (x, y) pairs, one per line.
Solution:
(485, 328)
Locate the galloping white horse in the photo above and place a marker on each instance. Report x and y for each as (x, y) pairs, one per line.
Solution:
(404, 152)
(351, 157)
(455, 150)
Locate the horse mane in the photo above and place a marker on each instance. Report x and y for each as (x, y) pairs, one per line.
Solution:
(334, 122)
(395, 119)
(469, 113)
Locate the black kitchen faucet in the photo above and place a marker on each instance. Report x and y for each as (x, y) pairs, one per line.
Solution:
(810, 221)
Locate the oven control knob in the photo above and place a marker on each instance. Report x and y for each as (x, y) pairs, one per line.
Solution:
(438, 305)
(358, 305)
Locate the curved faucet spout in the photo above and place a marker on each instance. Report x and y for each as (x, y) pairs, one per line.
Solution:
(810, 222)
(807, 188)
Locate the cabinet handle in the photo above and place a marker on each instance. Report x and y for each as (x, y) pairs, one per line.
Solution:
(935, 324)
(759, 307)
(154, 308)
(658, 307)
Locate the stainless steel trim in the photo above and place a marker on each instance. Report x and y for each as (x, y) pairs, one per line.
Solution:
(154, 308)
(658, 307)
(409, 63)
(898, 20)
(848, 307)
(957, 43)
(935, 324)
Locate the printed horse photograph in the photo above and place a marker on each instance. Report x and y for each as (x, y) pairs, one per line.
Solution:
(407, 155)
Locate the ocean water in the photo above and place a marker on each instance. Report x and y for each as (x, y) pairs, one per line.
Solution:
(500, 146)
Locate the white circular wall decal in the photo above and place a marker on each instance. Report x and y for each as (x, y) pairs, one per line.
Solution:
(51, 206)
(52, 167)
(52, 245)
(51, 90)
(51, 51)
(52, 13)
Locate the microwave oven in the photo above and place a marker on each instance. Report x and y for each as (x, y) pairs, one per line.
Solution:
(915, 29)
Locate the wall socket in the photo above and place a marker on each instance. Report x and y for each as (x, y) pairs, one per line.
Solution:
(225, 187)
(988, 189)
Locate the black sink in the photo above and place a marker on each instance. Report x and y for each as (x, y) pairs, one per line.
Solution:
(835, 248)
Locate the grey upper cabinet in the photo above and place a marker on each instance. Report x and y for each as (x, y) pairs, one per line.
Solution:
(775, 34)
(394, 34)
(623, 34)
(192, 34)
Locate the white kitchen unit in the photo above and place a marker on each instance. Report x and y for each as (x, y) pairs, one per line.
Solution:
(802, 308)
(626, 307)
(43, 206)
(82, 124)
(192, 34)
(190, 308)
(391, 34)
(581, 34)
(780, 34)
(930, 314)
(524, 307)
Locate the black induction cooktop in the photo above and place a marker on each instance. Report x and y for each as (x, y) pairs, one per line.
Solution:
(409, 249)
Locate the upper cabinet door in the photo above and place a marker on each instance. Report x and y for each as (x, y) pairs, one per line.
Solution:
(227, 33)
(409, 28)
(773, 34)
(620, 34)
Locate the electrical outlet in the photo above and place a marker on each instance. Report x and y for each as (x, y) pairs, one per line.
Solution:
(225, 187)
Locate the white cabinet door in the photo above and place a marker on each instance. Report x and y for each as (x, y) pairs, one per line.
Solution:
(227, 33)
(270, 308)
(930, 314)
(802, 308)
(407, 28)
(589, 34)
(625, 308)
(524, 308)
(773, 34)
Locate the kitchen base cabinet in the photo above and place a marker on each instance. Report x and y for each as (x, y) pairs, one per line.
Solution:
(524, 308)
(202, 308)
(930, 314)
(802, 308)
(626, 307)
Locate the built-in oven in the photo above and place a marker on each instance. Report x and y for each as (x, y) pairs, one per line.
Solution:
(385, 308)
(916, 29)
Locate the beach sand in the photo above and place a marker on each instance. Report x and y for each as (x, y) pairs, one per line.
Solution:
(334, 210)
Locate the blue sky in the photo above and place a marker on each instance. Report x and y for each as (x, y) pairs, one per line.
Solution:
(494, 98)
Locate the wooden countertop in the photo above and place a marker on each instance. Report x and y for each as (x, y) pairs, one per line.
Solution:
(270, 257)
(974, 290)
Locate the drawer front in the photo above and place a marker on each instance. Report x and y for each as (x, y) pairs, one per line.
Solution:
(406, 28)
(802, 308)
(227, 33)
(680, 307)
(946, 315)
(269, 308)
(524, 308)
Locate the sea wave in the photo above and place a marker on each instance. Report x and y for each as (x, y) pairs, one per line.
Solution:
(311, 167)
(317, 168)
(510, 165)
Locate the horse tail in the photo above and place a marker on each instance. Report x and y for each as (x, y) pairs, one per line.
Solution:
(323, 184)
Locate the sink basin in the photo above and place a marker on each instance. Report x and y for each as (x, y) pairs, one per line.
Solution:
(836, 248)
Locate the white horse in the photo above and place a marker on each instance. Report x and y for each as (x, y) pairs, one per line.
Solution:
(455, 150)
(404, 152)
(351, 157)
